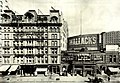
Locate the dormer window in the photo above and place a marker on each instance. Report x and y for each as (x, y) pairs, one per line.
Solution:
(54, 19)
(6, 17)
(29, 16)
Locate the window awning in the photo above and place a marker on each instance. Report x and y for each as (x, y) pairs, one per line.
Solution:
(114, 69)
(41, 69)
(4, 68)
(13, 68)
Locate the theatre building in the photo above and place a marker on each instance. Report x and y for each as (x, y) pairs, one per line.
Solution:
(85, 50)
(32, 43)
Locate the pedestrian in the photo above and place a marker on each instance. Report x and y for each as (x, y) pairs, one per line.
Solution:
(108, 78)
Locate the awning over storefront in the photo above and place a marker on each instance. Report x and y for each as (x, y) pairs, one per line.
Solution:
(4, 68)
(114, 69)
(41, 69)
(13, 68)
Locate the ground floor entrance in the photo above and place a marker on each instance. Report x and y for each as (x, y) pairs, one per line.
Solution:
(84, 70)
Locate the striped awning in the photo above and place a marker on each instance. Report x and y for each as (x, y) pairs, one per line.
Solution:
(4, 68)
(112, 69)
(13, 68)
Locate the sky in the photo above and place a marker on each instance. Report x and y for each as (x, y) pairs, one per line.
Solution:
(82, 16)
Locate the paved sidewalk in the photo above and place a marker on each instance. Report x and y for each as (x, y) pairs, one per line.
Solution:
(33, 79)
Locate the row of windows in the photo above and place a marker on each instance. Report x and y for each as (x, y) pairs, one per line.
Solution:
(24, 29)
(30, 51)
(40, 59)
(30, 43)
(31, 36)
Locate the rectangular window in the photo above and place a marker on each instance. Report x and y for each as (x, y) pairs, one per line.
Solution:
(42, 59)
(54, 50)
(5, 43)
(46, 59)
(53, 36)
(46, 51)
(4, 29)
(54, 43)
(46, 36)
(45, 43)
(114, 58)
(5, 36)
(54, 59)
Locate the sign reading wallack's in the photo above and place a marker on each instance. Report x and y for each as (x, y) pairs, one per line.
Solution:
(88, 39)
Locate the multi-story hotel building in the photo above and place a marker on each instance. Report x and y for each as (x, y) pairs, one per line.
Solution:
(33, 43)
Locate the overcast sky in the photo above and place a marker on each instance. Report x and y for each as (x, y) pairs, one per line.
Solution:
(97, 15)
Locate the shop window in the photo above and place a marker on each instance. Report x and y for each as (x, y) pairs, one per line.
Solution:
(114, 58)
(110, 57)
